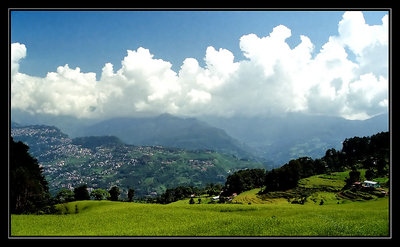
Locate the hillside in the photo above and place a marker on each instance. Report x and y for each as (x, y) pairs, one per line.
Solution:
(282, 138)
(275, 139)
(102, 162)
(314, 189)
(170, 131)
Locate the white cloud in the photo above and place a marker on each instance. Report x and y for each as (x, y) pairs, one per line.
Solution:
(18, 52)
(272, 79)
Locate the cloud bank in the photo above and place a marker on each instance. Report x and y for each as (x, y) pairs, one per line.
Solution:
(273, 79)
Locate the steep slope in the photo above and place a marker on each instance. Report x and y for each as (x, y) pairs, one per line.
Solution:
(170, 131)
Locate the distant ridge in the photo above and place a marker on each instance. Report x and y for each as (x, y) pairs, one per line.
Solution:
(294, 135)
(170, 131)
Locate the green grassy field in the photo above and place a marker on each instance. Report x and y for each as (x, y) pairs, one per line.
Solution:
(105, 218)
(250, 214)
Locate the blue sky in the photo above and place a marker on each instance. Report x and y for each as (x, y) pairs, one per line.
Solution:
(89, 39)
(200, 62)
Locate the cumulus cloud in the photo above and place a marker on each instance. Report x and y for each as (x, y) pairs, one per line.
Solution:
(273, 78)
(18, 52)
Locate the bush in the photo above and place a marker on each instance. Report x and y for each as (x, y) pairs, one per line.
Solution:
(99, 194)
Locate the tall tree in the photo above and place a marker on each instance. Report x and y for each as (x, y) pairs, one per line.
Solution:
(114, 193)
(131, 194)
(29, 190)
(81, 193)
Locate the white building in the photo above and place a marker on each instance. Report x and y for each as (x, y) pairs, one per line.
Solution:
(367, 183)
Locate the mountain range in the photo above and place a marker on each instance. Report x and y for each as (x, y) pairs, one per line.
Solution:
(280, 139)
(170, 131)
(151, 154)
(275, 140)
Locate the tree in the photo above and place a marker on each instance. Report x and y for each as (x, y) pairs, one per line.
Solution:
(213, 189)
(333, 160)
(369, 174)
(244, 180)
(131, 194)
(65, 195)
(81, 193)
(381, 165)
(29, 190)
(354, 176)
(99, 194)
(114, 193)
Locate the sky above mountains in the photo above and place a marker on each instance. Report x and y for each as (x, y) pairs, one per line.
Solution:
(102, 64)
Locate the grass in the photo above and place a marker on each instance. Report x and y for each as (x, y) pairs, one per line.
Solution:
(249, 214)
(252, 197)
(106, 218)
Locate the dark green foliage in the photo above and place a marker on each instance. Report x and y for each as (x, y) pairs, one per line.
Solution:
(131, 194)
(213, 189)
(28, 187)
(222, 199)
(355, 149)
(287, 176)
(81, 193)
(244, 180)
(176, 194)
(65, 195)
(99, 194)
(354, 176)
(334, 160)
(114, 193)
(372, 151)
(369, 174)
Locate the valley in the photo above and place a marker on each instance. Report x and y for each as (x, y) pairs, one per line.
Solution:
(105, 161)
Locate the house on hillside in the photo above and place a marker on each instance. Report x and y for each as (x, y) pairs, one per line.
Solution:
(373, 184)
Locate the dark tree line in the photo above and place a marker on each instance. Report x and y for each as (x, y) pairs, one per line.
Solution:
(371, 153)
(81, 193)
(243, 180)
(182, 192)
